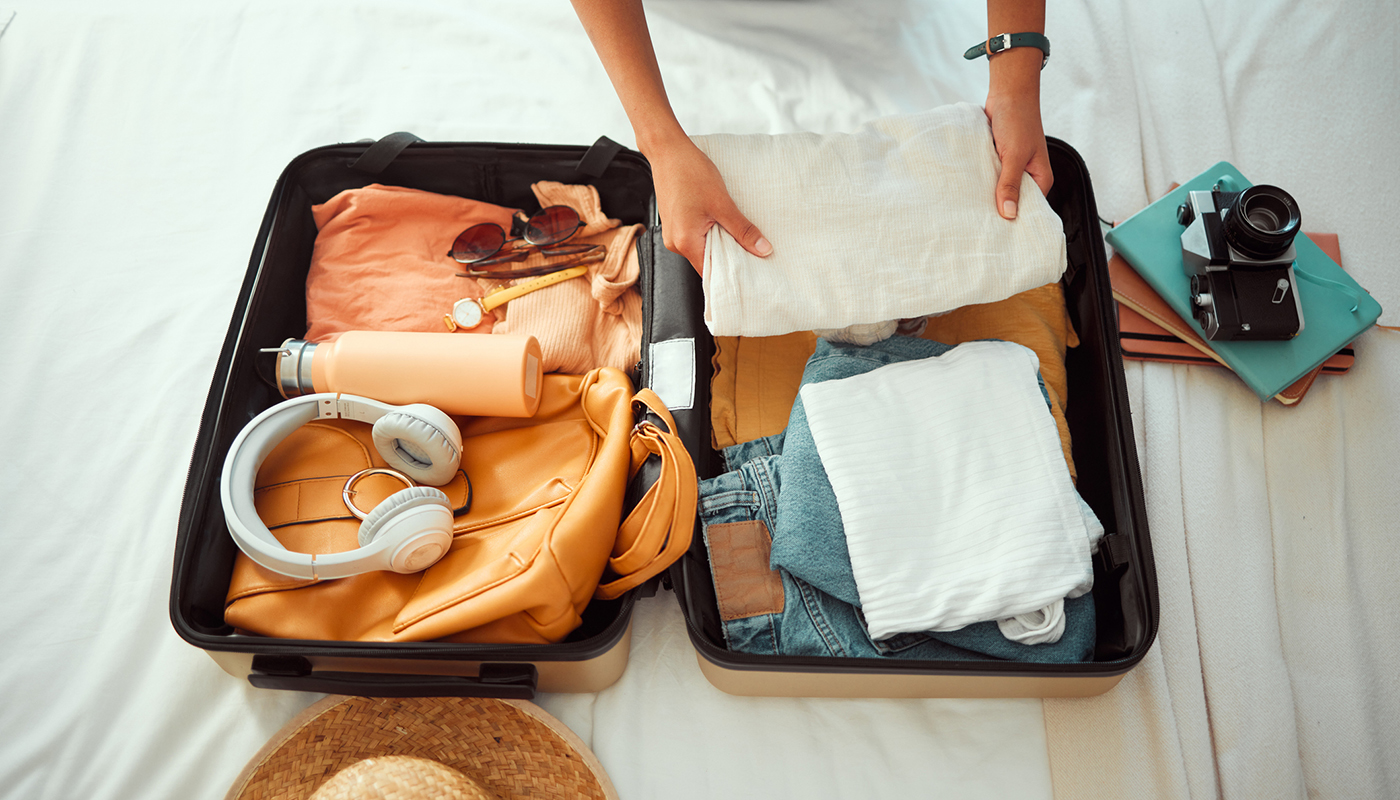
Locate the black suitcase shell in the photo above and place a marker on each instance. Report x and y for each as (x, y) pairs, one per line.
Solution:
(271, 307)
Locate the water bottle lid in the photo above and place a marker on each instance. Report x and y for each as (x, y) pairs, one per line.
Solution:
(294, 368)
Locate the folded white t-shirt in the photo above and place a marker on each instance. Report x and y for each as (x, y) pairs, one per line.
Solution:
(895, 220)
(953, 489)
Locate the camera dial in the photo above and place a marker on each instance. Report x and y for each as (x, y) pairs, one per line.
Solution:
(1184, 214)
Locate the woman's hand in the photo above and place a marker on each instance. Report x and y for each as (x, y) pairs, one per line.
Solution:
(691, 198)
(1013, 103)
(690, 194)
(1020, 143)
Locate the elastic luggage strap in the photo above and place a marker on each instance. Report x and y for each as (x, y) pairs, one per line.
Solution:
(658, 530)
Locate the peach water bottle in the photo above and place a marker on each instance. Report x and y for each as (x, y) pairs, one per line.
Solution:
(473, 374)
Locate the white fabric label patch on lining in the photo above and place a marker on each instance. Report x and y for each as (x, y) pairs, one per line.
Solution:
(673, 372)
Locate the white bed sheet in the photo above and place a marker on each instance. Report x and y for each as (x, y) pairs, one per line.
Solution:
(138, 148)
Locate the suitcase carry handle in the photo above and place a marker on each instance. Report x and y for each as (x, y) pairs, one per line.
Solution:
(383, 152)
(506, 681)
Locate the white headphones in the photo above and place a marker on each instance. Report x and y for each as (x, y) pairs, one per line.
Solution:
(407, 532)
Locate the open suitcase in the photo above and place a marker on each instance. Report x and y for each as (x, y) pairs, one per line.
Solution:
(1125, 586)
(676, 352)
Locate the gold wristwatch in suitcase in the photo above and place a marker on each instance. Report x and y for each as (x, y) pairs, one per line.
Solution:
(469, 312)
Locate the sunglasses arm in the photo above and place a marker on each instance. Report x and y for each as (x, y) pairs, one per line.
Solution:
(505, 274)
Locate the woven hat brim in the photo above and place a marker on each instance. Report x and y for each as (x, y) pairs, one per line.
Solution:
(512, 747)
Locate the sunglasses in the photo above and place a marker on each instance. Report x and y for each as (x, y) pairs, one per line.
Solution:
(480, 246)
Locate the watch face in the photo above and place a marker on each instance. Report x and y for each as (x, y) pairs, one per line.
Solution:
(466, 313)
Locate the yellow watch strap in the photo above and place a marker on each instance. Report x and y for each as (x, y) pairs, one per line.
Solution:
(497, 299)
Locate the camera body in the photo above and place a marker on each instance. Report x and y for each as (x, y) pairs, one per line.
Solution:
(1238, 250)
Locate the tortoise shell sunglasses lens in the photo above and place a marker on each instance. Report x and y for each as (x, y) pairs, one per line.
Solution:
(478, 242)
(552, 225)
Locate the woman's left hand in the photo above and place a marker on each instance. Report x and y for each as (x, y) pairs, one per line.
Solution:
(1013, 106)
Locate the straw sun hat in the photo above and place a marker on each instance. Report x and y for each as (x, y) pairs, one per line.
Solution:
(423, 747)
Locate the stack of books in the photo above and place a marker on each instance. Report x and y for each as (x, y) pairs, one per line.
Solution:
(1155, 319)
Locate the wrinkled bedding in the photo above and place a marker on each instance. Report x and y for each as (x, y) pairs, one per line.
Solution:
(140, 145)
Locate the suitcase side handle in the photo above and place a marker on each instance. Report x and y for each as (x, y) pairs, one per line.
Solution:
(507, 681)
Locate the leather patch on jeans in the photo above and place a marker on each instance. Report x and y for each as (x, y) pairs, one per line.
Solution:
(744, 583)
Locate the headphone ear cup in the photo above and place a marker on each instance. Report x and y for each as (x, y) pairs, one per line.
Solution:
(419, 521)
(421, 441)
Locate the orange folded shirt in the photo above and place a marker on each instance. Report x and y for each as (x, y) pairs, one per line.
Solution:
(381, 263)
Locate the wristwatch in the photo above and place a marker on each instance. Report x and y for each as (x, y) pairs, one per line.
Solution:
(1006, 41)
(468, 312)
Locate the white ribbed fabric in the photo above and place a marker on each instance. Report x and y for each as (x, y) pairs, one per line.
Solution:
(952, 488)
(892, 221)
(1047, 625)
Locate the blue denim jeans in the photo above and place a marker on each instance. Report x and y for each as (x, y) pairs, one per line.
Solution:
(778, 550)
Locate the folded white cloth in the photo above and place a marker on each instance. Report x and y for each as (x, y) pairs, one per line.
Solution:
(953, 490)
(892, 221)
(864, 334)
(1045, 626)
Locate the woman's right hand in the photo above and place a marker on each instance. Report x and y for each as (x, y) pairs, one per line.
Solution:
(690, 194)
(691, 198)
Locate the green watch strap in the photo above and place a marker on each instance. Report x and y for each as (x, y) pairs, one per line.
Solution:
(1006, 41)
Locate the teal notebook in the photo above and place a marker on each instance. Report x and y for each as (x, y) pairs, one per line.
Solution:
(1335, 308)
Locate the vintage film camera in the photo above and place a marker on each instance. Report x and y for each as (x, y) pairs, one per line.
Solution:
(1238, 250)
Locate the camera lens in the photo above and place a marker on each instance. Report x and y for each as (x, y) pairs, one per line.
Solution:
(1262, 222)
